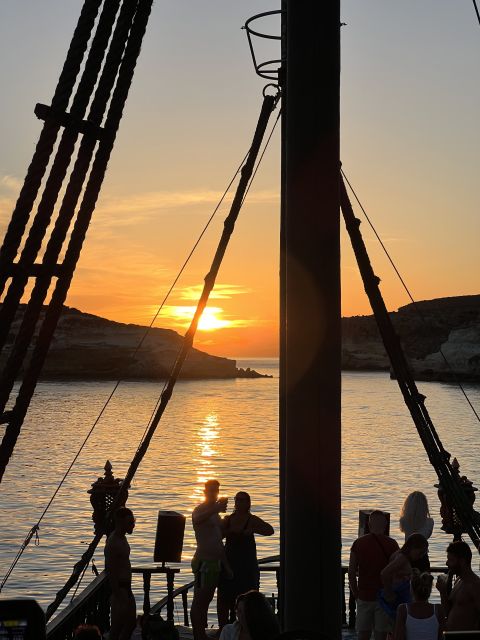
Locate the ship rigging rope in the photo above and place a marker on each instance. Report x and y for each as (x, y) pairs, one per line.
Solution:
(414, 303)
(476, 10)
(34, 530)
(268, 105)
(449, 479)
(123, 72)
(48, 136)
(244, 198)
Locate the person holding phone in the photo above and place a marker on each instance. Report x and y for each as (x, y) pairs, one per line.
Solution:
(209, 559)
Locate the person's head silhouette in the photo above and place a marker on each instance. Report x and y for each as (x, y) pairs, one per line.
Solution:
(87, 632)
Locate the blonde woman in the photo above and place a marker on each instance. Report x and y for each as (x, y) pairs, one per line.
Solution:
(415, 518)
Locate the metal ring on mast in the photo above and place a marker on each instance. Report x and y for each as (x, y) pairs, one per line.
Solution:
(276, 87)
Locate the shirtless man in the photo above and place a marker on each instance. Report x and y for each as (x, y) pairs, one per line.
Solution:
(209, 558)
(119, 572)
(462, 605)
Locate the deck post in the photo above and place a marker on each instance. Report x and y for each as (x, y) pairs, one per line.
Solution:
(310, 385)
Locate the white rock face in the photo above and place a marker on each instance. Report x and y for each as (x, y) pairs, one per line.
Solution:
(462, 351)
(451, 325)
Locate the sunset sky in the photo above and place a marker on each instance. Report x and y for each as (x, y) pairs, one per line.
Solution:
(410, 146)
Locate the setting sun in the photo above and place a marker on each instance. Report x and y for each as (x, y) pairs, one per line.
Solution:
(210, 320)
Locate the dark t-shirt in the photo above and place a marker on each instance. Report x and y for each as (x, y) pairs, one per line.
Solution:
(373, 554)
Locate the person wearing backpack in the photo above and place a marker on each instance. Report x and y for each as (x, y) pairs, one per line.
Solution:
(369, 555)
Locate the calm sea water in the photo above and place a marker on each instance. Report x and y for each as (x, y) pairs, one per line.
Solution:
(224, 429)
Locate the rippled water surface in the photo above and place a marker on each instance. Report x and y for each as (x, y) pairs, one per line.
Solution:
(225, 429)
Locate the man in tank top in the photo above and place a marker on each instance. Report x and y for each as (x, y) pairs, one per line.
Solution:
(368, 557)
(462, 605)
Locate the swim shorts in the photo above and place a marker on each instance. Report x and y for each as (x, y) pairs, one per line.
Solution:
(371, 616)
(207, 572)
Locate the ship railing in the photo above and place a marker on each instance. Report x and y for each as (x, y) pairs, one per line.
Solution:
(266, 565)
(271, 564)
(92, 605)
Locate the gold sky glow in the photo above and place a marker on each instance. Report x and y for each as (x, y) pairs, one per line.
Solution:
(409, 144)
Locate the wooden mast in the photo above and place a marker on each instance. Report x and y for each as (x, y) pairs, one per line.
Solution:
(310, 384)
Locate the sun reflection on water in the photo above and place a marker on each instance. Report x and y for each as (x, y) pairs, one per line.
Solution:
(206, 449)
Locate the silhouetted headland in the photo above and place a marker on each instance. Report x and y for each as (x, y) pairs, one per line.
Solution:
(88, 347)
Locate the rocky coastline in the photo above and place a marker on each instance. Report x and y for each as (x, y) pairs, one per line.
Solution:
(88, 347)
(428, 331)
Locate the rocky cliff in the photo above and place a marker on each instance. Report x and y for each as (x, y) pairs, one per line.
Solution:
(89, 347)
(427, 329)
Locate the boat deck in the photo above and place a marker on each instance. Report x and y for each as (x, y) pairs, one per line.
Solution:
(187, 634)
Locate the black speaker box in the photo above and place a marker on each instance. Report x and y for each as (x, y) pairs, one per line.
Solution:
(169, 539)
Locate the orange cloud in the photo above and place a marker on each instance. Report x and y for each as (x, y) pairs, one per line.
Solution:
(220, 292)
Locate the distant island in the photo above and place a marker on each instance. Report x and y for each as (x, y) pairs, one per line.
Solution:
(86, 346)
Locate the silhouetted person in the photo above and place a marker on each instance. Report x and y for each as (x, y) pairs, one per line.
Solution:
(369, 555)
(87, 632)
(396, 575)
(256, 619)
(119, 572)
(239, 530)
(209, 559)
(462, 605)
(420, 620)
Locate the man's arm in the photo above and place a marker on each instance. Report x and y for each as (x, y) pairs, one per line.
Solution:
(388, 575)
(261, 527)
(352, 574)
(442, 586)
(400, 620)
(441, 621)
(204, 511)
